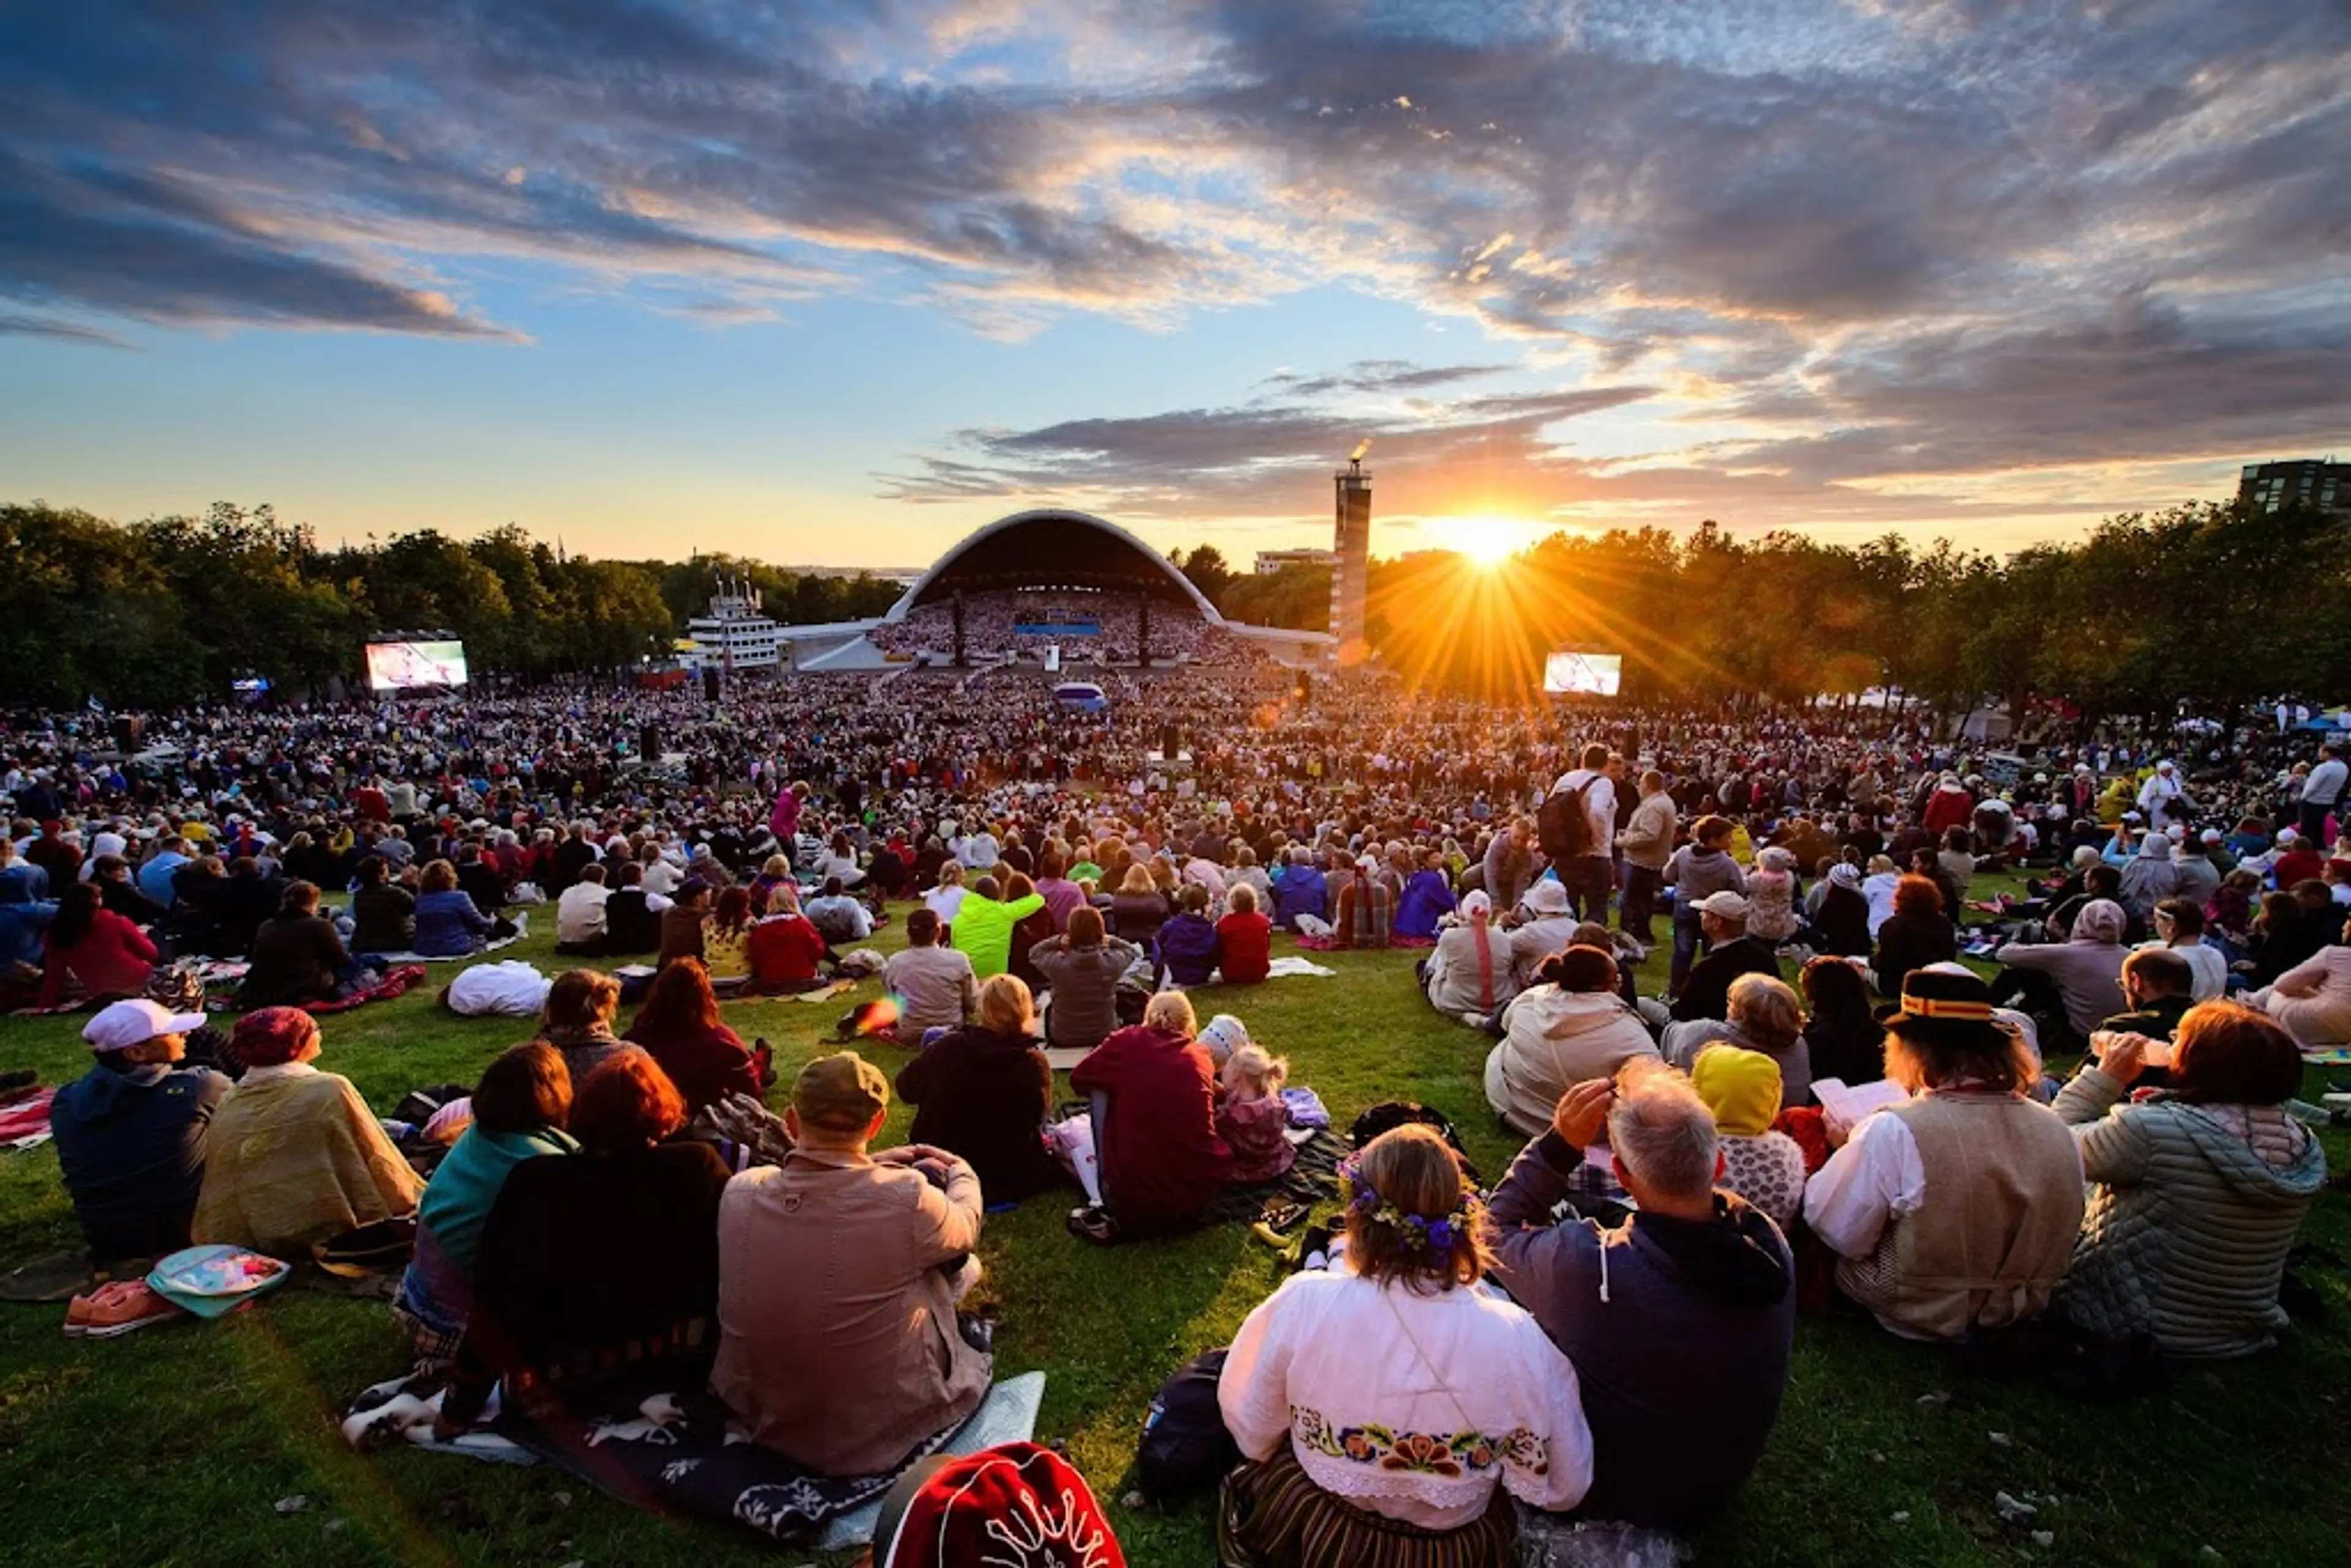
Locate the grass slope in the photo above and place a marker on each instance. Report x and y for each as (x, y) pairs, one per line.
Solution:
(173, 1446)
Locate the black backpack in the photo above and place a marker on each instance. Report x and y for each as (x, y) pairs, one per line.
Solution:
(1392, 1113)
(1563, 824)
(1185, 1449)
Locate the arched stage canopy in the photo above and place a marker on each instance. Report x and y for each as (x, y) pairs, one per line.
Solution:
(1052, 547)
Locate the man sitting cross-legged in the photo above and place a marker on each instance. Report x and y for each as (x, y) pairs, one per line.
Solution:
(838, 1277)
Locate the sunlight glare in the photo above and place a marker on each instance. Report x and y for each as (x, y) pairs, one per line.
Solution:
(1488, 541)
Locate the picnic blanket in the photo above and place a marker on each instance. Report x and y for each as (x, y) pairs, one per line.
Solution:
(521, 930)
(679, 1452)
(1311, 1179)
(24, 1121)
(396, 983)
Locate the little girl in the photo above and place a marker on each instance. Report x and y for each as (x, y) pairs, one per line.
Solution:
(1250, 1115)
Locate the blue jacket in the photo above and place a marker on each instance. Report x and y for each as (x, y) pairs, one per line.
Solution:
(132, 1148)
(21, 925)
(447, 923)
(1187, 946)
(1303, 890)
(155, 877)
(1426, 896)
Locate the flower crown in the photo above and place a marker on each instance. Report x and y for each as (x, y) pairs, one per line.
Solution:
(1418, 1230)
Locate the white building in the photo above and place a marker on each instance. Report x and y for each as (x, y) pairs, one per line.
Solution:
(736, 635)
(1270, 561)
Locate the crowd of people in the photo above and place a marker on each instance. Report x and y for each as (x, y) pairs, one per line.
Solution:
(1107, 629)
(1606, 1333)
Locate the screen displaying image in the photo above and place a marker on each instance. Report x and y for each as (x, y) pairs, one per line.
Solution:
(397, 666)
(1583, 674)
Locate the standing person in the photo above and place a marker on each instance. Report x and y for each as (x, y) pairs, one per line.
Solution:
(1958, 1209)
(985, 1089)
(839, 1272)
(2322, 793)
(1647, 842)
(1680, 1320)
(131, 1133)
(1154, 1125)
(1509, 863)
(1342, 1384)
(1696, 872)
(1579, 829)
(784, 817)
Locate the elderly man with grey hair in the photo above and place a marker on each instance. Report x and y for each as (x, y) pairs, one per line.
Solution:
(1678, 1319)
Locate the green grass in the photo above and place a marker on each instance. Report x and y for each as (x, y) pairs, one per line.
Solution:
(173, 1446)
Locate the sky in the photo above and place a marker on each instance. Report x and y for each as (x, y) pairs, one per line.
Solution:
(836, 284)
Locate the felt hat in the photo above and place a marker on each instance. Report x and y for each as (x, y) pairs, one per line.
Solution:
(841, 1094)
(1015, 1505)
(1941, 1008)
(1741, 1087)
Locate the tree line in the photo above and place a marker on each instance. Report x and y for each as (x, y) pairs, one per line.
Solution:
(2210, 606)
(168, 609)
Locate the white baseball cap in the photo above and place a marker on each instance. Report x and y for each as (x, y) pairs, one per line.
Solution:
(1726, 905)
(122, 1025)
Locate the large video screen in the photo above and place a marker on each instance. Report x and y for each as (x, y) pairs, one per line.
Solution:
(400, 666)
(1583, 674)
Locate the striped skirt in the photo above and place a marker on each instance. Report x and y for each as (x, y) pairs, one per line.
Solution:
(1273, 1515)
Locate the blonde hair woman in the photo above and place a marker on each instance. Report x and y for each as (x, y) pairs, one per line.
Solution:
(1154, 1092)
(1765, 1016)
(983, 1091)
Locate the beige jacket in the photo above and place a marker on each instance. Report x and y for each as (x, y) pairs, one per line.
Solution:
(838, 1345)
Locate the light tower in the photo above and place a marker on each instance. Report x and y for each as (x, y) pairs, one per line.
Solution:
(1351, 573)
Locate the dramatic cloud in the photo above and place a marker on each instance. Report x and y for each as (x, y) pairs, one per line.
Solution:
(1813, 254)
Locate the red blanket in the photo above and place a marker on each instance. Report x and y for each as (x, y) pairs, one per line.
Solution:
(23, 1118)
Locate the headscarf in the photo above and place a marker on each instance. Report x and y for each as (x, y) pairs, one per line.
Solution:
(2101, 920)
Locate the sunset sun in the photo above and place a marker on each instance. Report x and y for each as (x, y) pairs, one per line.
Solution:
(1488, 541)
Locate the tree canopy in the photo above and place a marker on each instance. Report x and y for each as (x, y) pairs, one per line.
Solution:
(2210, 604)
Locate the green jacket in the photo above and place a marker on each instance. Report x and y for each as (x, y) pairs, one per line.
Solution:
(2191, 1211)
(983, 930)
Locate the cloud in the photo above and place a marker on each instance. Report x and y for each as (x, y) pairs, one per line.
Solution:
(1246, 460)
(1848, 248)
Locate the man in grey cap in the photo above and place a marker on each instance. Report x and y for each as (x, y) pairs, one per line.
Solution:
(1729, 953)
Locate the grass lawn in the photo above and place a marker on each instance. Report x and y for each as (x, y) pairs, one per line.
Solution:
(174, 1445)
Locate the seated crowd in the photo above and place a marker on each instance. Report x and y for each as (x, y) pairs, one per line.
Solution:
(1608, 1335)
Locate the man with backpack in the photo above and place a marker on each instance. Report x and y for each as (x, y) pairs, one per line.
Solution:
(1578, 828)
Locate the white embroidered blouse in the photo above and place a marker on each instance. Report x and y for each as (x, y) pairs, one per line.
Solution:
(1408, 1405)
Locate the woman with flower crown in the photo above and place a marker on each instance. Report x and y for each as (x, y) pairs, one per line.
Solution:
(1387, 1405)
